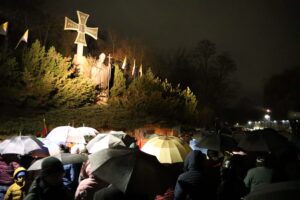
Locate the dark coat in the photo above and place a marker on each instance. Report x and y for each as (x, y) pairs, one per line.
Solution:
(39, 190)
(192, 183)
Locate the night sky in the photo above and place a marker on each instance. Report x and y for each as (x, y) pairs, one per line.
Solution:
(262, 36)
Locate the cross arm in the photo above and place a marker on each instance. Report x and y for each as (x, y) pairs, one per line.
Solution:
(93, 32)
(70, 25)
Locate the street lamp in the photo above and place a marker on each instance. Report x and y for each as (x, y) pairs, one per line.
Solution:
(267, 117)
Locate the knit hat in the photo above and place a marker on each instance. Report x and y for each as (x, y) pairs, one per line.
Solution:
(51, 165)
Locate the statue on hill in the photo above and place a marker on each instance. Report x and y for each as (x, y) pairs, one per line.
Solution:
(101, 74)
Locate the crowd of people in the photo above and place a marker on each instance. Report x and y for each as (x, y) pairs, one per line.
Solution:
(213, 176)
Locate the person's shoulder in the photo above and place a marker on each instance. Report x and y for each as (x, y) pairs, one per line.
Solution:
(34, 188)
(14, 187)
(252, 170)
(31, 196)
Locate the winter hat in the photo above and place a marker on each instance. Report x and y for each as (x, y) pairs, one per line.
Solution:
(21, 173)
(260, 159)
(19, 170)
(51, 165)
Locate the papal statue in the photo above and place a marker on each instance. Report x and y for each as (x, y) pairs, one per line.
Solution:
(100, 73)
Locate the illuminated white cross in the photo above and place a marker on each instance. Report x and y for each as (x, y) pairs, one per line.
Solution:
(82, 29)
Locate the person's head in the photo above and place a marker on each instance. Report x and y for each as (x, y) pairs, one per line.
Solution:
(195, 160)
(20, 175)
(52, 171)
(227, 164)
(102, 57)
(63, 148)
(213, 155)
(260, 161)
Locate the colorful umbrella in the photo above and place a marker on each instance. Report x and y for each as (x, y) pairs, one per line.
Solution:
(167, 149)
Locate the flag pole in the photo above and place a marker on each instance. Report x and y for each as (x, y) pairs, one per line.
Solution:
(45, 126)
(109, 75)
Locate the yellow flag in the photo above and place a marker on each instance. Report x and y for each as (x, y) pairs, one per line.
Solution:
(133, 69)
(3, 28)
(23, 38)
(124, 63)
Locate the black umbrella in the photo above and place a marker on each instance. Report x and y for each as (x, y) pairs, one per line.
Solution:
(65, 158)
(131, 171)
(289, 190)
(217, 142)
(267, 140)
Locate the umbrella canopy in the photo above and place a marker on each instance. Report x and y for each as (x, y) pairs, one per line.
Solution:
(65, 158)
(75, 136)
(66, 134)
(217, 142)
(239, 136)
(276, 191)
(194, 146)
(86, 131)
(167, 149)
(20, 145)
(103, 141)
(130, 170)
(119, 134)
(267, 140)
(52, 147)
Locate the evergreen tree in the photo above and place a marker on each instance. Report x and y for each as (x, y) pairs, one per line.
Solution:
(48, 81)
(119, 83)
(149, 97)
(10, 76)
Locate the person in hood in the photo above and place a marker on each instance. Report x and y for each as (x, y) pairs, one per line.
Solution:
(192, 183)
(17, 190)
(49, 185)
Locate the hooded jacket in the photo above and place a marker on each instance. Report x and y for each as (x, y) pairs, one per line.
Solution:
(191, 183)
(17, 190)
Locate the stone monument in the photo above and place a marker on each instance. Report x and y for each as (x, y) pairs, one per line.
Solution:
(81, 29)
(100, 75)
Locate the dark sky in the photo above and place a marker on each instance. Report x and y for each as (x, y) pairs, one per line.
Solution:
(262, 36)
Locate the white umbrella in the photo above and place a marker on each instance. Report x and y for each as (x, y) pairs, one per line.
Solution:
(52, 147)
(119, 134)
(87, 131)
(103, 141)
(75, 137)
(20, 145)
(127, 139)
(64, 134)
